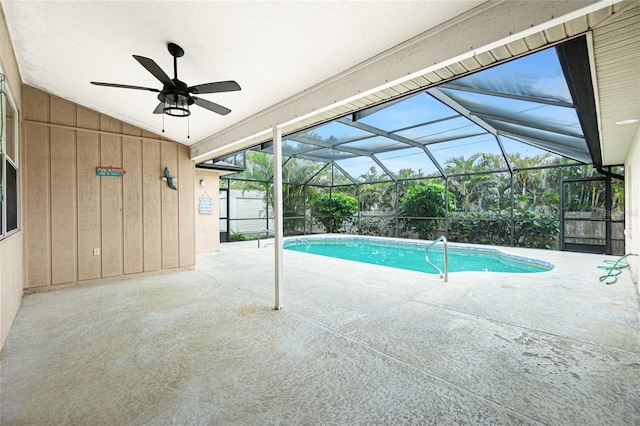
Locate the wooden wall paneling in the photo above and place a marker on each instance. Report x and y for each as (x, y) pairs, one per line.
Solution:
(89, 229)
(186, 213)
(130, 130)
(152, 206)
(64, 248)
(37, 196)
(170, 251)
(88, 197)
(137, 222)
(87, 119)
(111, 202)
(110, 124)
(62, 112)
(36, 105)
(63, 206)
(147, 134)
(132, 205)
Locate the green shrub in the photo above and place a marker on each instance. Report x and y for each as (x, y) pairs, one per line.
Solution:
(332, 211)
(373, 226)
(237, 236)
(422, 207)
(529, 230)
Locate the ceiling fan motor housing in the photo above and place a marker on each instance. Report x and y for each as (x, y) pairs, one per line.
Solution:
(175, 96)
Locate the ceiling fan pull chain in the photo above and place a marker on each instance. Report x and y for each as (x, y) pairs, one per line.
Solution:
(162, 123)
(188, 128)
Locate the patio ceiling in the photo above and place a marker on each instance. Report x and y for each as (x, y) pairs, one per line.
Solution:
(603, 81)
(273, 49)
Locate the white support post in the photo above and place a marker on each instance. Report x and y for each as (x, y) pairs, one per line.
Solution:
(277, 214)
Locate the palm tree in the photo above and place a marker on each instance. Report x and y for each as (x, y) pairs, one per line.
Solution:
(470, 184)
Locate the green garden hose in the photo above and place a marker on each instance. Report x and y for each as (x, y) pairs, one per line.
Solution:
(614, 270)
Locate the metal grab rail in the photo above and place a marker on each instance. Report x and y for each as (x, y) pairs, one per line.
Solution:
(266, 231)
(444, 273)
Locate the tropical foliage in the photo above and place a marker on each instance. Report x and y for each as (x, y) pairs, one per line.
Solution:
(519, 207)
(529, 229)
(332, 210)
(424, 208)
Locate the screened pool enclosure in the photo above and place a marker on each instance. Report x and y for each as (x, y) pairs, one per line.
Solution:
(509, 155)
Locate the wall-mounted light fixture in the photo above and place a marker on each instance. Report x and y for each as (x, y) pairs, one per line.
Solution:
(202, 183)
(628, 121)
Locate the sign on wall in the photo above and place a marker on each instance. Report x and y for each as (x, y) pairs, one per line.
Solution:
(110, 171)
(206, 205)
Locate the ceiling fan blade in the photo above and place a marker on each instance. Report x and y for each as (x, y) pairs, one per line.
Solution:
(125, 86)
(159, 109)
(154, 69)
(211, 106)
(217, 87)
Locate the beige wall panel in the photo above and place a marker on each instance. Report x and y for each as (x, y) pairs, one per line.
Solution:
(111, 201)
(133, 220)
(132, 205)
(63, 206)
(89, 230)
(128, 129)
(62, 112)
(109, 124)
(170, 239)
(87, 119)
(38, 237)
(186, 173)
(36, 105)
(147, 134)
(152, 206)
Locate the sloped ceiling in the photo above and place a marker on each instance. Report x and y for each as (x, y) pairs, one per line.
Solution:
(273, 49)
(493, 32)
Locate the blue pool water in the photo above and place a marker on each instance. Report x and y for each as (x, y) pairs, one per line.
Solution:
(411, 255)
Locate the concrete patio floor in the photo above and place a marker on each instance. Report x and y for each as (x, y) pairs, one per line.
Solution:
(354, 344)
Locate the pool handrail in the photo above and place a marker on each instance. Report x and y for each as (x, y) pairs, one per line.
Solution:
(266, 231)
(444, 273)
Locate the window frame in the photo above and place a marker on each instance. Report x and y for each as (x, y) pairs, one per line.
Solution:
(7, 103)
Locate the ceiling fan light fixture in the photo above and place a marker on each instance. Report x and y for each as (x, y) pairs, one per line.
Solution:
(175, 95)
(176, 106)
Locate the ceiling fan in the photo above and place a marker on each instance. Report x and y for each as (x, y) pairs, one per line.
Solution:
(175, 96)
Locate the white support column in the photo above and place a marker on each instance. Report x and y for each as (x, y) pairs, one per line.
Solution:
(277, 214)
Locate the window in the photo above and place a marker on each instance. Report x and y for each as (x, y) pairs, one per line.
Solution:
(9, 176)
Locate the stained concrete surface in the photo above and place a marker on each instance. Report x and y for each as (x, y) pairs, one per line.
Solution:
(354, 344)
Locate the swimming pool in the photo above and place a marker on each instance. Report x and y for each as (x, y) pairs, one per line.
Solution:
(409, 254)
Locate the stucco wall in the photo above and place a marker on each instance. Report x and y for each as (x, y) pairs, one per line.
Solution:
(632, 208)
(11, 279)
(11, 247)
(207, 225)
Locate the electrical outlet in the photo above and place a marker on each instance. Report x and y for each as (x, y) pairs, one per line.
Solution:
(96, 252)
